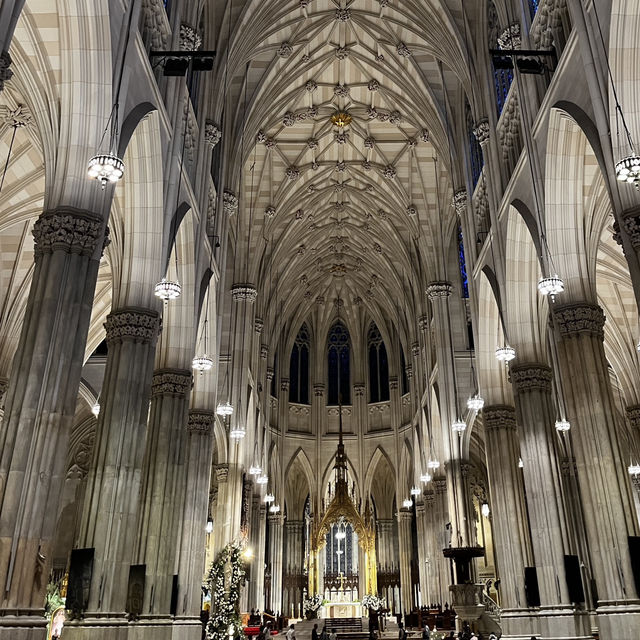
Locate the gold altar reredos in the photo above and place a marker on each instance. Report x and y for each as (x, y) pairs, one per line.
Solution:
(342, 506)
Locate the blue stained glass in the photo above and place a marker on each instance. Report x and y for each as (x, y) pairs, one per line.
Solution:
(475, 153)
(463, 265)
(533, 7)
(503, 79)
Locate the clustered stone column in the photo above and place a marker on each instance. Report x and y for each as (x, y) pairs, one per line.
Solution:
(547, 516)
(405, 546)
(163, 488)
(113, 485)
(191, 559)
(509, 520)
(275, 558)
(294, 530)
(39, 408)
(604, 483)
(423, 553)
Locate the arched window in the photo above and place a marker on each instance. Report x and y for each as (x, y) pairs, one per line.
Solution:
(403, 375)
(378, 366)
(299, 368)
(339, 359)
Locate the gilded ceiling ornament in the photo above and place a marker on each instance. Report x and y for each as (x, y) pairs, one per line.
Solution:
(372, 113)
(369, 188)
(289, 119)
(270, 143)
(18, 117)
(424, 135)
(319, 300)
(411, 143)
(366, 165)
(357, 300)
(305, 58)
(261, 136)
(395, 117)
(341, 118)
(339, 186)
(379, 58)
(307, 295)
(341, 166)
(315, 165)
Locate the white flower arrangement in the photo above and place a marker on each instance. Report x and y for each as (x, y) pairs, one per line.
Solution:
(369, 601)
(312, 603)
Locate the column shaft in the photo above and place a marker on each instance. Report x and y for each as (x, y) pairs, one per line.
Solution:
(275, 553)
(404, 536)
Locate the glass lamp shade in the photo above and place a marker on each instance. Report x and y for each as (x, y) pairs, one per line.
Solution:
(209, 526)
(551, 286)
(634, 469)
(167, 290)
(105, 168)
(237, 433)
(407, 503)
(415, 491)
(562, 426)
(459, 426)
(274, 508)
(96, 409)
(433, 464)
(269, 498)
(628, 169)
(505, 354)
(475, 403)
(224, 409)
(425, 477)
(202, 363)
(263, 479)
(254, 470)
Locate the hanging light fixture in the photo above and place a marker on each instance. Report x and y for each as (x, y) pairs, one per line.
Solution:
(269, 498)
(416, 491)
(167, 290)
(202, 363)
(274, 508)
(459, 426)
(425, 477)
(105, 168)
(628, 169)
(209, 526)
(505, 353)
(475, 402)
(262, 479)
(562, 425)
(551, 286)
(634, 469)
(484, 509)
(433, 464)
(407, 503)
(254, 470)
(237, 433)
(96, 409)
(224, 409)
(520, 463)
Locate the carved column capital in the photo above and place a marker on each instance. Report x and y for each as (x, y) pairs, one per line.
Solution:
(258, 325)
(68, 230)
(531, 376)
(568, 466)
(171, 382)
(429, 497)
(393, 382)
(275, 519)
(481, 131)
(420, 508)
(5, 71)
(631, 224)
(4, 383)
(212, 133)
(633, 415)
(404, 515)
(222, 473)
(423, 323)
(190, 39)
(440, 485)
(264, 351)
(137, 325)
(437, 290)
(270, 373)
(499, 416)
(318, 389)
(284, 384)
(415, 349)
(577, 319)
(200, 421)
(358, 389)
(460, 201)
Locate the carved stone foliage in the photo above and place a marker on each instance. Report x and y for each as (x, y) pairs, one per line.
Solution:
(437, 290)
(631, 223)
(531, 377)
(222, 472)
(190, 40)
(139, 325)
(200, 421)
(499, 416)
(80, 457)
(212, 134)
(5, 71)
(171, 382)
(67, 230)
(633, 415)
(481, 131)
(244, 291)
(576, 319)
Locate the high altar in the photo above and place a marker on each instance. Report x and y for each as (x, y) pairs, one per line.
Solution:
(342, 506)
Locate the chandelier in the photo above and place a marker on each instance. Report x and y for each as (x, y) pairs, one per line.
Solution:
(459, 426)
(433, 464)
(96, 409)
(415, 491)
(475, 403)
(505, 354)
(237, 432)
(105, 168)
(254, 470)
(520, 463)
(562, 426)
(634, 469)
(425, 477)
(202, 363)
(550, 286)
(224, 409)
(274, 508)
(167, 290)
(263, 479)
(628, 170)
(269, 498)
(407, 503)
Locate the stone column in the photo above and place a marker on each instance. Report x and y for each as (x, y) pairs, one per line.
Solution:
(405, 545)
(510, 526)
(633, 416)
(422, 552)
(462, 534)
(604, 481)
(163, 489)
(221, 522)
(259, 557)
(191, 559)
(275, 556)
(39, 408)
(113, 485)
(441, 567)
(547, 516)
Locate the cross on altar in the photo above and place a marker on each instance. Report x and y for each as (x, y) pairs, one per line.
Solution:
(342, 578)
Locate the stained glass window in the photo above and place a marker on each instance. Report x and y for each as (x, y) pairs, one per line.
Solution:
(378, 366)
(338, 353)
(299, 368)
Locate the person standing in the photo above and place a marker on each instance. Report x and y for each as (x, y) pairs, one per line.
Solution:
(333, 635)
(291, 633)
(314, 632)
(426, 632)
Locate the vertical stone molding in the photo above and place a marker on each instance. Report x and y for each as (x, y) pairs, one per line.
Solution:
(164, 479)
(511, 533)
(603, 481)
(275, 559)
(40, 403)
(110, 510)
(404, 544)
